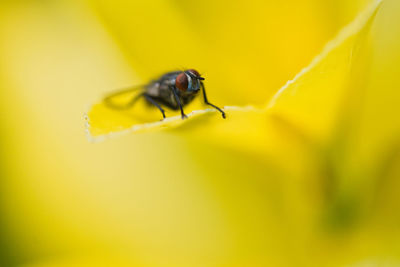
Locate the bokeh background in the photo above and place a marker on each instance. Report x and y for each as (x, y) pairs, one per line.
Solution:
(166, 199)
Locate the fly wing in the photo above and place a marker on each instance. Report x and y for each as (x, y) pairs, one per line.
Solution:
(124, 98)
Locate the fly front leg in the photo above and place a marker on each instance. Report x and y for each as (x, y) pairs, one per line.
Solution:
(174, 91)
(208, 103)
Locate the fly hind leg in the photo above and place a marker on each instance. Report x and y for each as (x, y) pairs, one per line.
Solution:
(154, 102)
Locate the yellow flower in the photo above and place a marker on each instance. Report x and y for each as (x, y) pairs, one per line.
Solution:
(308, 175)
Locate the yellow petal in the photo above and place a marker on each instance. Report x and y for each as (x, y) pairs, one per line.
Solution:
(246, 49)
(319, 96)
(154, 198)
(103, 120)
(312, 101)
(378, 126)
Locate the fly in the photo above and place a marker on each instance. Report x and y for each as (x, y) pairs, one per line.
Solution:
(173, 90)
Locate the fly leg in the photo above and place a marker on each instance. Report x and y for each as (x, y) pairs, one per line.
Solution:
(208, 103)
(178, 101)
(152, 101)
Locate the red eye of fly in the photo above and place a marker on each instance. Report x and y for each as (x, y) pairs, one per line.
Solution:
(181, 82)
(194, 72)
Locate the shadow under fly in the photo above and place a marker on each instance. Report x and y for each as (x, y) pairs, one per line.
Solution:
(173, 90)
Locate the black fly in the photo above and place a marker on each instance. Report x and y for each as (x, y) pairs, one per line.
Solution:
(173, 90)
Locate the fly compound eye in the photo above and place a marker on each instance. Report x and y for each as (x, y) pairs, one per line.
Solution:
(181, 82)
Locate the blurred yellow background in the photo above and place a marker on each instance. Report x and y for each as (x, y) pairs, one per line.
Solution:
(166, 198)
